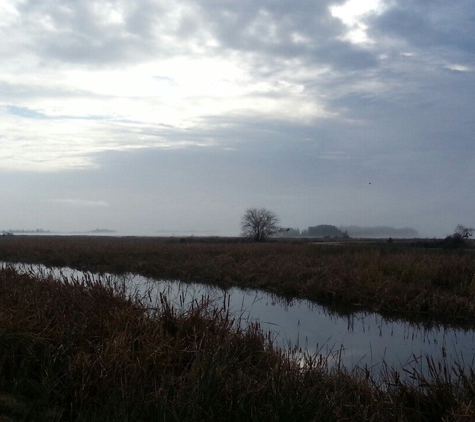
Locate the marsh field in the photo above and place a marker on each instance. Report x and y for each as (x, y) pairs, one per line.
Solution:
(82, 350)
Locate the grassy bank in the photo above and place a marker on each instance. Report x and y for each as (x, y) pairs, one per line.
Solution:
(395, 280)
(84, 352)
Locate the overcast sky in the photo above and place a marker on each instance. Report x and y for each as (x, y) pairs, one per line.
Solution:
(173, 115)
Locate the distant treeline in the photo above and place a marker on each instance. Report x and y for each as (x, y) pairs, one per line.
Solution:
(41, 231)
(21, 231)
(329, 231)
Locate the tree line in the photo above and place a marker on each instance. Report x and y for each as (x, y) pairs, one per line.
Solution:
(260, 223)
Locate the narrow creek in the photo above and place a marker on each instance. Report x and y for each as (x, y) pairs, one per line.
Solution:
(364, 340)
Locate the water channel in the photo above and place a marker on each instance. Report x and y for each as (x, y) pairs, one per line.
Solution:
(363, 340)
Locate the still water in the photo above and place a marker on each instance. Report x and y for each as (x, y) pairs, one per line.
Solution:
(361, 340)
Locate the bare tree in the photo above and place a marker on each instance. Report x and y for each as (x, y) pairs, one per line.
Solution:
(457, 240)
(463, 232)
(259, 224)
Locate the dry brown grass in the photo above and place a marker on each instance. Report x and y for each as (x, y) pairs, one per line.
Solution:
(81, 351)
(394, 280)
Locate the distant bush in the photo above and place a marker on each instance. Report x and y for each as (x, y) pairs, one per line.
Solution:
(453, 242)
(457, 240)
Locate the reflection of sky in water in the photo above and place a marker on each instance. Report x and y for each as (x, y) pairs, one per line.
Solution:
(363, 339)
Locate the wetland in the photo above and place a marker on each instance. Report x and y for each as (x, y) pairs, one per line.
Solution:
(277, 331)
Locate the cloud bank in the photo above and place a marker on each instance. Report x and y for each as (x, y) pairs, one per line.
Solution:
(296, 106)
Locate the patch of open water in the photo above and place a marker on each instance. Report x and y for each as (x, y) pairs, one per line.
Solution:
(359, 340)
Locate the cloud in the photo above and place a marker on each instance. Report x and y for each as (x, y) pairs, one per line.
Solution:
(24, 112)
(81, 203)
(84, 32)
(309, 98)
(434, 25)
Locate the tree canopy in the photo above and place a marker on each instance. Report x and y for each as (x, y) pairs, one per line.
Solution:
(259, 224)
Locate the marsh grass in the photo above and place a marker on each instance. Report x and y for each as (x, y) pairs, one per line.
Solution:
(396, 280)
(83, 350)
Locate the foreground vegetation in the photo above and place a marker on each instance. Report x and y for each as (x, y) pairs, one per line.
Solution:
(394, 279)
(82, 351)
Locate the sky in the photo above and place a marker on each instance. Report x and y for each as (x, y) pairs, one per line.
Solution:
(175, 116)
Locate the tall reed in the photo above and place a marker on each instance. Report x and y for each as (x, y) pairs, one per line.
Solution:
(82, 350)
(393, 279)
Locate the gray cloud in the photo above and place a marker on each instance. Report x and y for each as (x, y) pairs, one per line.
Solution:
(91, 32)
(80, 202)
(306, 31)
(430, 24)
(106, 34)
(107, 101)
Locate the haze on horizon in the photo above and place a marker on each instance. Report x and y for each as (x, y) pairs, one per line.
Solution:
(178, 115)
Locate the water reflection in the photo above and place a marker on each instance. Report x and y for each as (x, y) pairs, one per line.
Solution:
(361, 339)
